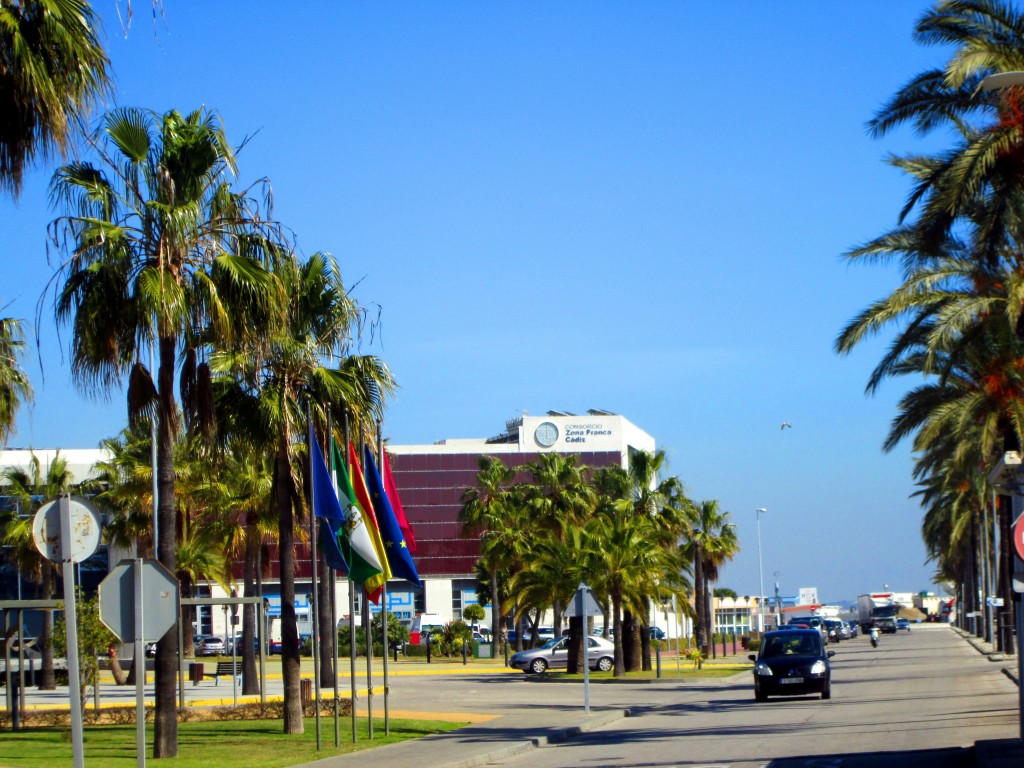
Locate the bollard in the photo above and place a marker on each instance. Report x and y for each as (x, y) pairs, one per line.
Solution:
(733, 643)
(428, 649)
(464, 652)
(657, 659)
(395, 646)
(506, 653)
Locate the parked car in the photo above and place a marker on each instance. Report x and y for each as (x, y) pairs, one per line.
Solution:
(274, 648)
(657, 633)
(210, 646)
(792, 662)
(903, 624)
(834, 627)
(554, 654)
(812, 622)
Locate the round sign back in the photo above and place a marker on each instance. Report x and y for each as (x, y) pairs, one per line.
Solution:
(85, 531)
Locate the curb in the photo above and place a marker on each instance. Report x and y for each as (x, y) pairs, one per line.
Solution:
(559, 736)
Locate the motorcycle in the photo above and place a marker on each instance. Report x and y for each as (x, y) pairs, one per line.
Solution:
(874, 637)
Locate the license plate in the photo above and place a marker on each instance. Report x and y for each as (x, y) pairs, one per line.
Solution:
(785, 680)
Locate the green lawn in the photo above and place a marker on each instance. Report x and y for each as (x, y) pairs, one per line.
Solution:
(240, 744)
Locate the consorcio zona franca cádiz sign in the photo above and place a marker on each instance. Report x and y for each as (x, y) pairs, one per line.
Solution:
(1018, 537)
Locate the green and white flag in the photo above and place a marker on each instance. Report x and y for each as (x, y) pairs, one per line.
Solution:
(356, 544)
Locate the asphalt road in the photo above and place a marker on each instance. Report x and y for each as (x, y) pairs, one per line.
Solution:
(920, 698)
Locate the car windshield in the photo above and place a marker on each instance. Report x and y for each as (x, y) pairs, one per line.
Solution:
(550, 644)
(791, 645)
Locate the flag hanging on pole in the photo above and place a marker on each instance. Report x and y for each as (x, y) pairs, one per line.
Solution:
(327, 508)
(357, 534)
(391, 534)
(362, 496)
(396, 506)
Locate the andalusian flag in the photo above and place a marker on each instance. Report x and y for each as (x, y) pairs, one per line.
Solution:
(357, 542)
(363, 497)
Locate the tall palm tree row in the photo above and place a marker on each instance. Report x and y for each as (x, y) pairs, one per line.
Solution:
(958, 311)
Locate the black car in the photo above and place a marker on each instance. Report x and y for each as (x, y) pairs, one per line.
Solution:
(790, 663)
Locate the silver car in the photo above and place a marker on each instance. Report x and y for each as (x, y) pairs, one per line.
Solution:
(554, 654)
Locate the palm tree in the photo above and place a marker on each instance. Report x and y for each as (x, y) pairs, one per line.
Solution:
(160, 254)
(711, 540)
(652, 496)
(30, 488)
(282, 376)
(53, 70)
(485, 513)
(559, 497)
(14, 384)
(985, 37)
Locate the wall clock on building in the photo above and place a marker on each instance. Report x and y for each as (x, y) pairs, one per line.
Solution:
(546, 434)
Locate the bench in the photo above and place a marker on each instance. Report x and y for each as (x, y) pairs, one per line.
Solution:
(227, 668)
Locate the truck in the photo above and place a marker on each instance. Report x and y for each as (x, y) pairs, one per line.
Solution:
(877, 609)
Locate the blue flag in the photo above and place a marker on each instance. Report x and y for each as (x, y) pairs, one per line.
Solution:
(395, 546)
(327, 507)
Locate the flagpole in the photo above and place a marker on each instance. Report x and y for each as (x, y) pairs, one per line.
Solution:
(384, 608)
(368, 623)
(313, 556)
(334, 607)
(351, 626)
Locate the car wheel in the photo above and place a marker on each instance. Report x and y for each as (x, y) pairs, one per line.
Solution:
(539, 666)
(760, 695)
(826, 692)
(605, 664)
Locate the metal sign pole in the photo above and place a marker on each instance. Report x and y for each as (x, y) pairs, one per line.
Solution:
(71, 623)
(581, 610)
(140, 669)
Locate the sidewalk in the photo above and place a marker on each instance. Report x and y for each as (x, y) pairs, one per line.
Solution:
(479, 743)
(996, 753)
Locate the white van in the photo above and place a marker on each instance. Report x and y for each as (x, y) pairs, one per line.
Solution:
(422, 624)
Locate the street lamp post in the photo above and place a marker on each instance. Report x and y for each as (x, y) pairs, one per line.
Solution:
(760, 572)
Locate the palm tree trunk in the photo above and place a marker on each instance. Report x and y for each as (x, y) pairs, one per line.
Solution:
(120, 678)
(701, 628)
(290, 659)
(47, 681)
(1005, 587)
(250, 681)
(495, 610)
(577, 644)
(645, 638)
(620, 664)
(630, 641)
(165, 719)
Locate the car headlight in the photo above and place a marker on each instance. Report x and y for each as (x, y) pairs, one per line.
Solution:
(818, 668)
(762, 669)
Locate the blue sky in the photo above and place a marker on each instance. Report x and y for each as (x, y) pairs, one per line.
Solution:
(639, 207)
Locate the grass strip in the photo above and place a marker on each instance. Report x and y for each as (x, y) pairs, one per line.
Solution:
(240, 744)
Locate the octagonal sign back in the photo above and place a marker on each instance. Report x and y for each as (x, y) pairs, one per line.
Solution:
(159, 600)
